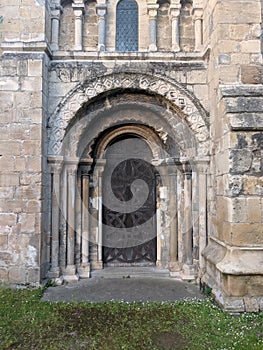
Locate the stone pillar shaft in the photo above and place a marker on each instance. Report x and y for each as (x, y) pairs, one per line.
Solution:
(55, 210)
(78, 12)
(188, 225)
(173, 211)
(85, 219)
(202, 168)
(55, 22)
(71, 218)
(152, 11)
(198, 23)
(175, 13)
(101, 12)
(100, 217)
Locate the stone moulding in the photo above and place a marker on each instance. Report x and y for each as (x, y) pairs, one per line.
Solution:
(233, 260)
(188, 107)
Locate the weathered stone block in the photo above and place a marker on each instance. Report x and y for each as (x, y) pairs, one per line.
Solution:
(3, 275)
(20, 164)
(10, 148)
(31, 148)
(9, 180)
(240, 161)
(7, 163)
(7, 219)
(250, 46)
(251, 74)
(17, 275)
(254, 210)
(246, 121)
(251, 304)
(9, 83)
(34, 164)
(241, 104)
(27, 223)
(35, 68)
(3, 242)
(33, 276)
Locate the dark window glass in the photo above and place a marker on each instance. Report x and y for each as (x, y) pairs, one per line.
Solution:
(127, 26)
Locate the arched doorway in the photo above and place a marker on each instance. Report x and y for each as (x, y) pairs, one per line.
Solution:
(129, 203)
(78, 177)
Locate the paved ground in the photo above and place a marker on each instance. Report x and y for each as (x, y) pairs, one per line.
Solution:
(126, 288)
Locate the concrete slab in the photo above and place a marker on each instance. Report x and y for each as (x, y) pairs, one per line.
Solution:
(135, 289)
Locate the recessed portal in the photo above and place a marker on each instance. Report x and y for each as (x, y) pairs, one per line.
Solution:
(129, 204)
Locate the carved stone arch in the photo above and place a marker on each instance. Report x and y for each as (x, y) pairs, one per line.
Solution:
(177, 139)
(141, 131)
(187, 106)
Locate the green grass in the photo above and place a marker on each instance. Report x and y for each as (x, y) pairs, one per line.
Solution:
(28, 323)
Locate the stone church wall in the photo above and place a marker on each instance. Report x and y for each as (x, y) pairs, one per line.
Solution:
(235, 211)
(219, 63)
(22, 165)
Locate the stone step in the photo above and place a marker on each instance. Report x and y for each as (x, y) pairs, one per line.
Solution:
(130, 272)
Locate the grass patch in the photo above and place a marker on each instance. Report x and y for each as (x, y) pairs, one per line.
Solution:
(28, 323)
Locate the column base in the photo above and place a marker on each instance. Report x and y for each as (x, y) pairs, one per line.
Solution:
(97, 265)
(54, 47)
(101, 48)
(152, 47)
(188, 272)
(176, 48)
(78, 48)
(69, 274)
(84, 271)
(54, 273)
(174, 266)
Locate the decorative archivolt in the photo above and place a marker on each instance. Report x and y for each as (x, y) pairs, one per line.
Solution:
(188, 108)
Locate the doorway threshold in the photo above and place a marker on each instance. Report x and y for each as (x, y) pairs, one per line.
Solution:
(131, 272)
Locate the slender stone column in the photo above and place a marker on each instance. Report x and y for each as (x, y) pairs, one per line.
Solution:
(78, 9)
(100, 217)
(55, 211)
(84, 270)
(198, 22)
(180, 214)
(175, 14)
(188, 214)
(63, 219)
(78, 228)
(101, 12)
(152, 12)
(174, 265)
(56, 11)
(70, 271)
(202, 184)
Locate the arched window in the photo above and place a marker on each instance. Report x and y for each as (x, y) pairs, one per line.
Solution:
(127, 26)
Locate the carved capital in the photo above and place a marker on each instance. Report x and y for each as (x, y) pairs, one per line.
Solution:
(78, 9)
(55, 164)
(101, 10)
(152, 10)
(56, 11)
(175, 10)
(197, 14)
